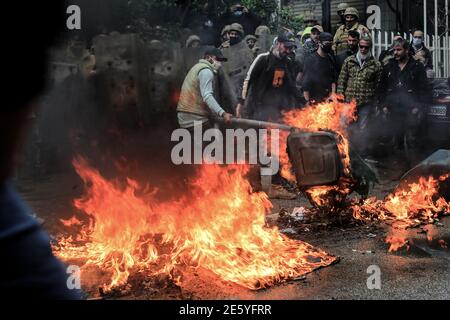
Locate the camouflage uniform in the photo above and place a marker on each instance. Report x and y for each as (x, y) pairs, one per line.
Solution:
(340, 38)
(359, 83)
(341, 8)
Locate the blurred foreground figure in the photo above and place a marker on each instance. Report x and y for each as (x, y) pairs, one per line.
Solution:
(28, 269)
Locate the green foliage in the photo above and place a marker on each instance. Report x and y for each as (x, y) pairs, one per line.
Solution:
(273, 16)
(287, 19)
(263, 8)
(175, 13)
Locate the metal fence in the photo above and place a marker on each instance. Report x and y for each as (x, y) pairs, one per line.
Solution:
(439, 47)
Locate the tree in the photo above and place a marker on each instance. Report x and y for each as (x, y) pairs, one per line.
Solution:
(173, 14)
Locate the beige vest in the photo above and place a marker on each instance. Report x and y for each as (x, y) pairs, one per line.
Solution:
(191, 100)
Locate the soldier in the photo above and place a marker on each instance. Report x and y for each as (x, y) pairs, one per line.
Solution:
(235, 35)
(261, 30)
(239, 56)
(358, 81)
(199, 91)
(263, 35)
(193, 41)
(224, 35)
(341, 13)
(250, 40)
(351, 23)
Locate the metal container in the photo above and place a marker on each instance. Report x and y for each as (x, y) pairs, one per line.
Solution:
(315, 158)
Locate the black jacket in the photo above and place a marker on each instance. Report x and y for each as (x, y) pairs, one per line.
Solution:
(408, 87)
(319, 75)
(271, 85)
(29, 270)
(428, 62)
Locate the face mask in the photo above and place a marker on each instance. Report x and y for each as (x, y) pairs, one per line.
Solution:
(327, 47)
(350, 24)
(417, 42)
(235, 40)
(237, 13)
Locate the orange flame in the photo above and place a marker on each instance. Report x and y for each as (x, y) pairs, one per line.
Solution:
(71, 222)
(417, 204)
(327, 116)
(220, 227)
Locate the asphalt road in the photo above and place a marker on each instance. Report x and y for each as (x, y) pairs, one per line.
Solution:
(422, 272)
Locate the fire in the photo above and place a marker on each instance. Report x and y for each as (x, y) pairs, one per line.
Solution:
(327, 116)
(332, 116)
(417, 204)
(71, 222)
(219, 227)
(397, 240)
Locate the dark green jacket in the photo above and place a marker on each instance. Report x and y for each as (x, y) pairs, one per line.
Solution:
(359, 83)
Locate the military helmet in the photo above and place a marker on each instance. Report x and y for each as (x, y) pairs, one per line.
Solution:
(192, 39)
(250, 37)
(225, 30)
(262, 30)
(342, 6)
(236, 27)
(351, 11)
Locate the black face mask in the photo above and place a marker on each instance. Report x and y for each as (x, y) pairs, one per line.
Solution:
(327, 48)
(350, 24)
(235, 40)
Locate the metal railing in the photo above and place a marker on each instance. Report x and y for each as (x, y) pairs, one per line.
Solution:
(439, 47)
